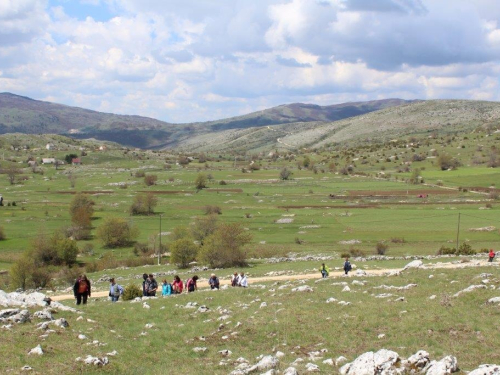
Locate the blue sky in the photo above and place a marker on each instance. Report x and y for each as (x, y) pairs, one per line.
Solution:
(197, 60)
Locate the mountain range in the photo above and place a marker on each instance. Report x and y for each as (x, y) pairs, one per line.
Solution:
(288, 126)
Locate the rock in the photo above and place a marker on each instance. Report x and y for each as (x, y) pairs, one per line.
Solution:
(82, 337)
(26, 368)
(200, 349)
(470, 289)
(279, 354)
(149, 326)
(340, 360)
(330, 300)
(61, 322)
(145, 305)
(225, 352)
(400, 299)
(303, 288)
(360, 273)
(266, 363)
(22, 317)
(4, 314)
(96, 361)
(263, 304)
(447, 365)
(346, 289)
(344, 303)
(486, 370)
(381, 336)
(381, 362)
(413, 264)
(432, 297)
(494, 300)
(45, 314)
(202, 309)
(417, 361)
(311, 367)
(328, 361)
(291, 371)
(36, 350)
(112, 354)
(270, 372)
(359, 283)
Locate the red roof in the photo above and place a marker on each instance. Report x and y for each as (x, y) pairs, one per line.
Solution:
(76, 161)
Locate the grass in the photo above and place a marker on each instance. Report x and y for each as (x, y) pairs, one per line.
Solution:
(461, 326)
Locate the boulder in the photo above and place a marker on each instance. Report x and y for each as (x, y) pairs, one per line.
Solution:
(291, 371)
(494, 300)
(36, 351)
(417, 361)
(303, 288)
(311, 367)
(470, 289)
(383, 362)
(447, 365)
(486, 370)
(413, 264)
(45, 314)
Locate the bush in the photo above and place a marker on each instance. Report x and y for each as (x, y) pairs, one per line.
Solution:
(381, 248)
(143, 204)
(20, 272)
(140, 174)
(224, 248)
(298, 241)
(345, 255)
(81, 210)
(182, 252)
(443, 250)
(285, 174)
(465, 249)
(2, 234)
(200, 182)
(222, 182)
(131, 292)
(398, 240)
(150, 179)
(356, 253)
(203, 227)
(116, 232)
(209, 210)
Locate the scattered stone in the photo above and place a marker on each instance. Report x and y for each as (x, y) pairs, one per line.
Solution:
(331, 300)
(61, 322)
(303, 288)
(381, 362)
(200, 349)
(346, 289)
(36, 350)
(470, 289)
(26, 368)
(340, 360)
(82, 337)
(291, 371)
(279, 354)
(225, 352)
(112, 354)
(328, 361)
(413, 264)
(45, 314)
(447, 365)
(417, 361)
(494, 300)
(149, 326)
(311, 367)
(203, 309)
(486, 370)
(96, 361)
(381, 336)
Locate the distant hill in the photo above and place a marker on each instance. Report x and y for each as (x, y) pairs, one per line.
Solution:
(24, 115)
(412, 118)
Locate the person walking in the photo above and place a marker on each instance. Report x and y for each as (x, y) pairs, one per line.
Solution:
(325, 271)
(347, 266)
(177, 285)
(81, 289)
(191, 284)
(151, 286)
(213, 282)
(491, 255)
(243, 281)
(144, 282)
(115, 290)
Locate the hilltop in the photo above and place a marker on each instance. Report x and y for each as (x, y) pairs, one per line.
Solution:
(25, 115)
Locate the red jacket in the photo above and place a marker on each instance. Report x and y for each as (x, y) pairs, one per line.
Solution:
(492, 254)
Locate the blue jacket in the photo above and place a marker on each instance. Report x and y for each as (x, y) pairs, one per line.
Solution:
(166, 289)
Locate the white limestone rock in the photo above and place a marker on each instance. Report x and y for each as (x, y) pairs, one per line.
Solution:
(382, 362)
(36, 350)
(414, 264)
(486, 370)
(447, 365)
(303, 288)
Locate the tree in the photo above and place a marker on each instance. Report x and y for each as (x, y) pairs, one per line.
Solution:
(144, 204)
(12, 173)
(200, 182)
(224, 248)
(182, 252)
(445, 162)
(179, 233)
(116, 232)
(415, 177)
(285, 174)
(306, 162)
(203, 227)
(20, 272)
(69, 158)
(81, 210)
(66, 249)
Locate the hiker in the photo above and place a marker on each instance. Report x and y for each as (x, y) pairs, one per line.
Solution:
(151, 286)
(166, 288)
(347, 266)
(177, 285)
(191, 284)
(81, 289)
(1, 200)
(324, 270)
(235, 279)
(243, 282)
(491, 255)
(213, 282)
(115, 290)
(144, 282)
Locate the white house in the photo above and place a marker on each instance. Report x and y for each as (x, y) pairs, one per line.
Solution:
(48, 160)
(49, 146)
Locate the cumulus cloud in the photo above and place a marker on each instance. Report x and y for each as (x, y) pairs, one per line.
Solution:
(186, 60)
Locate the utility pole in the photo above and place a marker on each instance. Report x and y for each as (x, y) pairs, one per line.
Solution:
(159, 247)
(458, 229)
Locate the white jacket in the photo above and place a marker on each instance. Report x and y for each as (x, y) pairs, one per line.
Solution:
(243, 281)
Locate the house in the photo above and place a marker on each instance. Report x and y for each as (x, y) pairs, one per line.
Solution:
(103, 148)
(48, 160)
(49, 146)
(76, 161)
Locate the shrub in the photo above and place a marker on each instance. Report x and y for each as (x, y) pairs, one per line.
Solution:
(203, 227)
(222, 182)
(381, 248)
(398, 240)
(465, 249)
(142, 248)
(446, 161)
(443, 250)
(285, 174)
(224, 248)
(2, 234)
(20, 272)
(356, 252)
(150, 179)
(81, 210)
(182, 252)
(345, 255)
(298, 241)
(200, 182)
(209, 210)
(140, 174)
(116, 232)
(131, 292)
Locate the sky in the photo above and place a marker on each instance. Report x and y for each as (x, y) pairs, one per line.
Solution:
(199, 60)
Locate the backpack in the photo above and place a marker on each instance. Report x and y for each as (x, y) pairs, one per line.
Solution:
(116, 291)
(347, 266)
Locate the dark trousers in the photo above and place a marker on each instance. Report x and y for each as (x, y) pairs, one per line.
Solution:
(81, 297)
(490, 259)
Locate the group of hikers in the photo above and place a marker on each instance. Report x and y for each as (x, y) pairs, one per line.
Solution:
(325, 271)
(82, 288)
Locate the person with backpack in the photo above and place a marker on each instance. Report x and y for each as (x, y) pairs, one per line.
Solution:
(213, 282)
(115, 290)
(347, 266)
(243, 281)
(325, 271)
(81, 289)
(177, 285)
(151, 286)
(191, 284)
(166, 288)
(491, 255)
(235, 279)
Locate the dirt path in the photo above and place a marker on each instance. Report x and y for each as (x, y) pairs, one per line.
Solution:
(308, 276)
